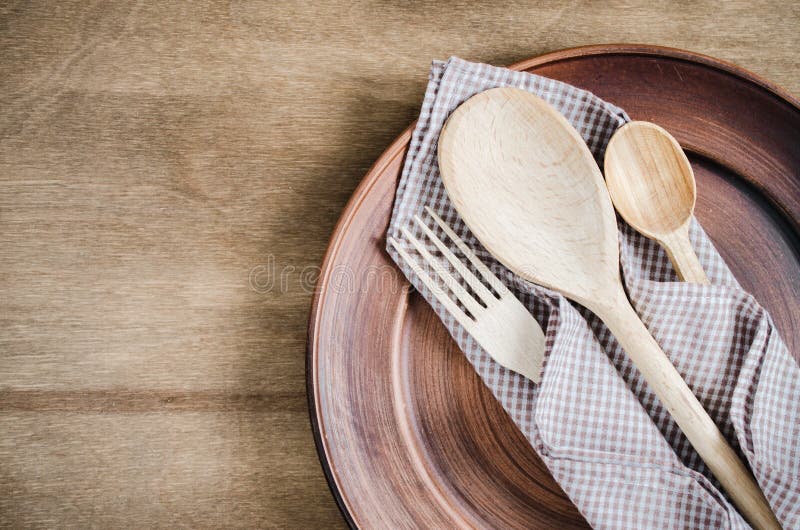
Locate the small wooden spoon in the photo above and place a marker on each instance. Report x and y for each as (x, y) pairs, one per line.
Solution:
(652, 185)
(527, 186)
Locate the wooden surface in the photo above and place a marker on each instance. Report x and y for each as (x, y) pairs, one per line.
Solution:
(155, 160)
(401, 416)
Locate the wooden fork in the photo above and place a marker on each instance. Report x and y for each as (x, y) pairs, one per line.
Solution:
(498, 322)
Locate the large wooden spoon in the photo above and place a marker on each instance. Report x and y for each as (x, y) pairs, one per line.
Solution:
(527, 186)
(652, 185)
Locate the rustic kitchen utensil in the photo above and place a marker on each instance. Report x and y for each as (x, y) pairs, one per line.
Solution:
(652, 186)
(497, 320)
(389, 375)
(527, 186)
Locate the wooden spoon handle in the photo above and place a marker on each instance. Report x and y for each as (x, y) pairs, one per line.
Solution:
(683, 257)
(687, 411)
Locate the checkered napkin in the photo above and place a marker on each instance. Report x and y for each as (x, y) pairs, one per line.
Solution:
(600, 430)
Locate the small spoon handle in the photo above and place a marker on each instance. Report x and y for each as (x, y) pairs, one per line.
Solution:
(683, 258)
(689, 414)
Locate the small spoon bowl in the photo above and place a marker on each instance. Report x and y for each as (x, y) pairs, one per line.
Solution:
(653, 188)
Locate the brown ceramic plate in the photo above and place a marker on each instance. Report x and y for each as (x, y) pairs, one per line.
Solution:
(407, 434)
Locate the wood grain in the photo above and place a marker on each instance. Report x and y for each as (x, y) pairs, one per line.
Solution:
(152, 158)
(652, 185)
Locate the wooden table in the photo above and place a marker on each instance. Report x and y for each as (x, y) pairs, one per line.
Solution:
(170, 176)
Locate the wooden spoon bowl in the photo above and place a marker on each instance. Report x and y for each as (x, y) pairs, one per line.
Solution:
(492, 154)
(652, 185)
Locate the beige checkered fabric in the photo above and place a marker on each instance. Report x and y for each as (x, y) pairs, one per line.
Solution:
(605, 437)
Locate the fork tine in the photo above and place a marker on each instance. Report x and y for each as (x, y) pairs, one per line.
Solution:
(465, 273)
(456, 288)
(433, 287)
(488, 275)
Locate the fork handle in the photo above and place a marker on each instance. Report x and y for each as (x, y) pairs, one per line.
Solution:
(686, 410)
